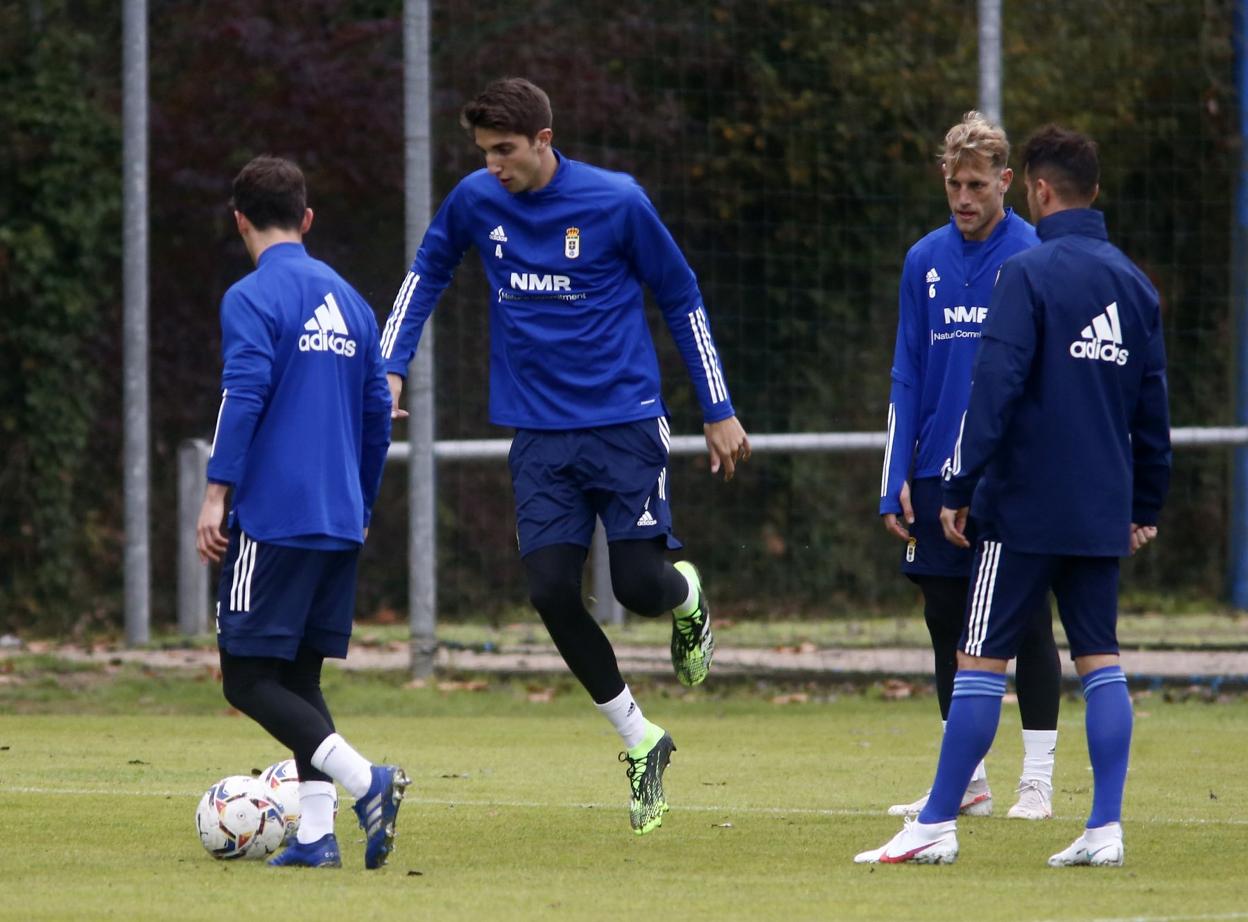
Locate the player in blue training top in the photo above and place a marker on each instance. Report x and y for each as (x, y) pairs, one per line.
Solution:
(567, 248)
(946, 284)
(301, 438)
(1064, 463)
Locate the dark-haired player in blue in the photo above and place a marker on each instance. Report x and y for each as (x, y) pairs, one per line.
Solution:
(567, 248)
(946, 284)
(301, 439)
(1064, 463)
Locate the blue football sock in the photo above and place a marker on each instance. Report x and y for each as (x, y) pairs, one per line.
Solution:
(1108, 723)
(973, 716)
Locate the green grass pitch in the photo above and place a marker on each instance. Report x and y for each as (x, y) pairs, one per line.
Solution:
(518, 809)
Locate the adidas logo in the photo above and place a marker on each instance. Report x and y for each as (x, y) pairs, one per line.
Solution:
(328, 331)
(646, 520)
(932, 277)
(498, 235)
(1102, 339)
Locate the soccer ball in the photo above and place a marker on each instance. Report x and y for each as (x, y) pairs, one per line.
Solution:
(236, 818)
(281, 783)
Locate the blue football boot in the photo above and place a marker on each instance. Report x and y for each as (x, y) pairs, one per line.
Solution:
(377, 811)
(323, 853)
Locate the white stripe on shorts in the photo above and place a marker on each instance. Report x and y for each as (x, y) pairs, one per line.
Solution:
(981, 598)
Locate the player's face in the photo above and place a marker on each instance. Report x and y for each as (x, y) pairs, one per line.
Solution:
(976, 193)
(512, 159)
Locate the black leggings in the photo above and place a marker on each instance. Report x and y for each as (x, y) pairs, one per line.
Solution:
(1038, 668)
(642, 580)
(284, 697)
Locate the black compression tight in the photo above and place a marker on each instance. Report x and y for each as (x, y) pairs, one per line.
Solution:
(1038, 668)
(284, 697)
(642, 580)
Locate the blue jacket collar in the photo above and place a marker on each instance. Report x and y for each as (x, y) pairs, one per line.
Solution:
(281, 251)
(1082, 221)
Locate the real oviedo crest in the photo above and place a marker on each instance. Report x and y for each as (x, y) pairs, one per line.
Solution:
(572, 242)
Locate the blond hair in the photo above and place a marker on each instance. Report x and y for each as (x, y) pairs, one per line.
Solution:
(975, 137)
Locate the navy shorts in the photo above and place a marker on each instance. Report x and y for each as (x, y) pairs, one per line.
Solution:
(273, 599)
(1007, 587)
(928, 553)
(565, 479)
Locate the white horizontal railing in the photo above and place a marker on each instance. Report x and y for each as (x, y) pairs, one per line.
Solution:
(195, 595)
(787, 443)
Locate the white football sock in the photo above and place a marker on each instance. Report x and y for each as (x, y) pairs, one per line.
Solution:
(336, 758)
(1039, 747)
(316, 810)
(625, 715)
(690, 604)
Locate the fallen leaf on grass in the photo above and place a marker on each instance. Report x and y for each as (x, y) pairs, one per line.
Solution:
(721, 825)
(415, 873)
(897, 689)
(471, 685)
(793, 698)
(541, 695)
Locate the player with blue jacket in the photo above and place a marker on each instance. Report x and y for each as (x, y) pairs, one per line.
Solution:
(1064, 463)
(946, 284)
(301, 438)
(567, 248)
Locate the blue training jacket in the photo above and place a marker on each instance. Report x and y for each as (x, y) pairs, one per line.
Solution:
(946, 284)
(570, 347)
(1066, 440)
(304, 424)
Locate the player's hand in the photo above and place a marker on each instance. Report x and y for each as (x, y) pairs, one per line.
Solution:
(396, 391)
(953, 523)
(1141, 535)
(210, 539)
(727, 444)
(893, 523)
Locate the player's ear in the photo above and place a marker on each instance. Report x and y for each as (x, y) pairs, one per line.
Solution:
(1007, 177)
(241, 222)
(307, 221)
(543, 138)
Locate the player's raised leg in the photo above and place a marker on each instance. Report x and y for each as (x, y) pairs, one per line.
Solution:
(554, 575)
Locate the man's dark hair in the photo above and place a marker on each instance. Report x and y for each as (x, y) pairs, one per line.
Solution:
(271, 192)
(513, 105)
(1066, 159)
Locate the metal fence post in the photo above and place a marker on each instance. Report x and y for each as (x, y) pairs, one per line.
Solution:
(607, 610)
(422, 498)
(194, 585)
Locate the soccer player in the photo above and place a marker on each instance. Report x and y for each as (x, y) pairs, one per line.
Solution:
(301, 438)
(946, 284)
(567, 248)
(1064, 462)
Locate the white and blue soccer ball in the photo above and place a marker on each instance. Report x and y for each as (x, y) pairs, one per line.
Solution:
(281, 783)
(236, 818)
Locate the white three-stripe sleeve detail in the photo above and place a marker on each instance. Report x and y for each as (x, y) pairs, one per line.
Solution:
(706, 365)
(715, 377)
(888, 448)
(216, 431)
(395, 322)
(957, 446)
(665, 434)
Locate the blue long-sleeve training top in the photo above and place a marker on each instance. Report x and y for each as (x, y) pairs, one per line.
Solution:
(1067, 434)
(946, 286)
(304, 423)
(570, 346)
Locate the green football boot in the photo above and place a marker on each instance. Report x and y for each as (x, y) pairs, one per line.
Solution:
(646, 763)
(693, 643)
